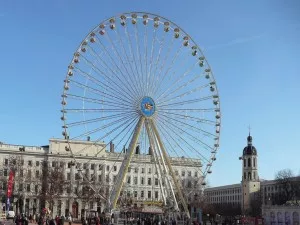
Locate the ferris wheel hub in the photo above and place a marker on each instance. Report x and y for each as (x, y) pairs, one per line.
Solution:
(147, 106)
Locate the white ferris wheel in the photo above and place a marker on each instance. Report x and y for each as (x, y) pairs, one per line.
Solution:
(139, 80)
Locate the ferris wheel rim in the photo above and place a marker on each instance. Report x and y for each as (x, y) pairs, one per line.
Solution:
(134, 110)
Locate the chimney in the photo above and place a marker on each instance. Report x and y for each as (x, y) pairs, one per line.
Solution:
(111, 147)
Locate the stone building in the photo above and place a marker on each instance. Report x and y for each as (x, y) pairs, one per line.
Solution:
(100, 169)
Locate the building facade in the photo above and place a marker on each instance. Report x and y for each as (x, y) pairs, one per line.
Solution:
(91, 169)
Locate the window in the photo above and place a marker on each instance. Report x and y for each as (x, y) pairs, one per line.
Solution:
(92, 166)
(156, 194)
(129, 169)
(149, 181)
(196, 174)
(244, 162)
(114, 178)
(29, 174)
(91, 205)
(156, 181)
(142, 194)
(37, 163)
(6, 162)
(21, 187)
(245, 176)
(100, 167)
(135, 181)
(29, 163)
(107, 178)
(249, 162)
(254, 162)
(77, 176)
(21, 173)
(36, 188)
(107, 167)
(28, 188)
(22, 162)
(183, 173)
(249, 175)
(61, 164)
(128, 180)
(189, 173)
(68, 176)
(37, 173)
(143, 170)
(189, 184)
(176, 172)
(115, 168)
(136, 170)
(135, 194)
(254, 175)
(85, 166)
(149, 170)
(142, 181)
(149, 194)
(5, 172)
(69, 165)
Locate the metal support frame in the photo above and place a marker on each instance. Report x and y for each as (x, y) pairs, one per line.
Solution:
(123, 170)
(177, 185)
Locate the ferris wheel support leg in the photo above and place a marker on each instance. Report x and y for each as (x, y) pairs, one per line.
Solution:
(156, 160)
(124, 168)
(177, 186)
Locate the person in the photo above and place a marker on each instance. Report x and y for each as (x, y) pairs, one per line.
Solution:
(62, 220)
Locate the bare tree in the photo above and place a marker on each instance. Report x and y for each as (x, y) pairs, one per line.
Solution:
(289, 187)
(53, 182)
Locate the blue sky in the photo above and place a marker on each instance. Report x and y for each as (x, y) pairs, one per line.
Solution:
(252, 46)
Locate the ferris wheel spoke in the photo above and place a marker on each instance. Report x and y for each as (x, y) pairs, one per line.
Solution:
(188, 145)
(105, 76)
(163, 65)
(187, 93)
(138, 48)
(97, 101)
(145, 75)
(186, 73)
(77, 123)
(191, 136)
(168, 69)
(193, 118)
(106, 66)
(190, 126)
(189, 158)
(189, 110)
(151, 60)
(98, 83)
(115, 64)
(129, 127)
(111, 124)
(131, 75)
(137, 75)
(185, 102)
(153, 83)
(115, 98)
(122, 62)
(178, 89)
(71, 110)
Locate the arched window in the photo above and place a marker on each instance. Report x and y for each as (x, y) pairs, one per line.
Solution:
(254, 163)
(244, 162)
(249, 162)
(249, 175)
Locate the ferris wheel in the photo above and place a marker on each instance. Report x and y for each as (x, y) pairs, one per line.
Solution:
(139, 81)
